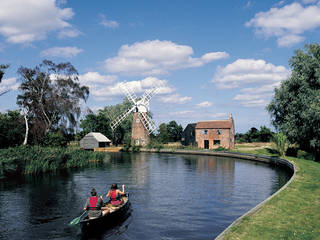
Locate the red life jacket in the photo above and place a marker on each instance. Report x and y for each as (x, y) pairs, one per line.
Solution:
(93, 203)
(114, 197)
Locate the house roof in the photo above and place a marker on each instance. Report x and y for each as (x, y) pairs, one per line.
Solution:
(214, 124)
(98, 136)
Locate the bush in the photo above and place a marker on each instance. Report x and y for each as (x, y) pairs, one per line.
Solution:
(220, 149)
(305, 155)
(281, 143)
(136, 148)
(54, 139)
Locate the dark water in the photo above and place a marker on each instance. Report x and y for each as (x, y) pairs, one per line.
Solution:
(172, 197)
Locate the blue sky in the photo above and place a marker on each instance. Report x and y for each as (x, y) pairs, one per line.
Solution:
(211, 58)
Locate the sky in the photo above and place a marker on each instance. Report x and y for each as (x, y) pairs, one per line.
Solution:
(209, 58)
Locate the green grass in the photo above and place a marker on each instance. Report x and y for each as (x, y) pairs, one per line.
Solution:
(292, 214)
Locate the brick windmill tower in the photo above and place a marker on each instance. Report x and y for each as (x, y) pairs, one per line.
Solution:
(142, 125)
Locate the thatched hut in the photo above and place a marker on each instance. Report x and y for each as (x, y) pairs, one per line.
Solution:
(94, 140)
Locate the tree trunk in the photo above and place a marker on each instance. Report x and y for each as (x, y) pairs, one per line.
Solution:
(25, 113)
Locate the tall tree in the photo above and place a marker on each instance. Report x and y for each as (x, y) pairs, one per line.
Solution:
(2, 68)
(51, 93)
(295, 107)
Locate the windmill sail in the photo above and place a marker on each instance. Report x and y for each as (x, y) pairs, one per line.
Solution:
(117, 121)
(147, 122)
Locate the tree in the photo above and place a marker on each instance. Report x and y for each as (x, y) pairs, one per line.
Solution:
(96, 123)
(294, 108)
(123, 131)
(163, 135)
(174, 131)
(11, 129)
(2, 68)
(51, 93)
(170, 132)
(265, 134)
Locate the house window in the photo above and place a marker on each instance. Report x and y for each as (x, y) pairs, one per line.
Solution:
(205, 132)
(218, 132)
(216, 142)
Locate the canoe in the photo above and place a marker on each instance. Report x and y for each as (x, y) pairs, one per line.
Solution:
(115, 215)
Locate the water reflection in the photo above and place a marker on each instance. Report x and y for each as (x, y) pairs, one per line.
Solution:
(172, 197)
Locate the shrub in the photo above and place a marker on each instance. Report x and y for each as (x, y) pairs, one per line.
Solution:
(220, 149)
(281, 143)
(305, 155)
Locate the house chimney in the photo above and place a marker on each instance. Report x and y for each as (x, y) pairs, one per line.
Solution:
(230, 117)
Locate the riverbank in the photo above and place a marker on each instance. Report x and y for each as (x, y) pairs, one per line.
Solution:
(293, 213)
(35, 160)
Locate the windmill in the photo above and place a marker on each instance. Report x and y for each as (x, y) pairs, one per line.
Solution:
(142, 125)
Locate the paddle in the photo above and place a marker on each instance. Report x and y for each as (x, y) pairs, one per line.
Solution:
(77, 220)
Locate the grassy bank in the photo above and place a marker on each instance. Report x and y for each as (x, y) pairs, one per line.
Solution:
(292, 214)
(35, 160)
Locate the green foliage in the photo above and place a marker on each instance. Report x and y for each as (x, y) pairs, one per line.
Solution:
(170, 132)
(12, 129)
(220, 149)
(154, 144)
(124, 129)
(295, 107)
(304, 155)
(281, 143)
(36, 160)
(136, 148)
(96, 123)
(55, 139)
(127, 144)
(255, 135)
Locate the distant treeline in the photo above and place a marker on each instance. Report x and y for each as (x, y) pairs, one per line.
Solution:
(255, 135)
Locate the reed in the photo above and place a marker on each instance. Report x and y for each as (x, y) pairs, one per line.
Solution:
(35, 160)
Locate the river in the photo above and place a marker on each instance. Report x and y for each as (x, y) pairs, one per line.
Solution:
(172, 197)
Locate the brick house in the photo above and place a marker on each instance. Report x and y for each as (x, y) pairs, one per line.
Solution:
(213, 134)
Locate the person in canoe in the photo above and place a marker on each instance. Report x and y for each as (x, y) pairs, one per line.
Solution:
(94, 204)
(115, 194)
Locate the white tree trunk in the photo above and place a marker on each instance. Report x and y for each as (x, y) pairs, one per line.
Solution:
(25, 113)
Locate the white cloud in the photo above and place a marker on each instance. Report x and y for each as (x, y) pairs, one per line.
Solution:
(288, 23)
(97, 78)
(219, 115)
(108, 23)
(248, 71)
(249, 100)
(175, 98)
(181, 113)
(102, 87)
(204, 104)
(9, 84)
(29, 20)
(156, 57)
(256, 96)
(69, 33)
(64, 52)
